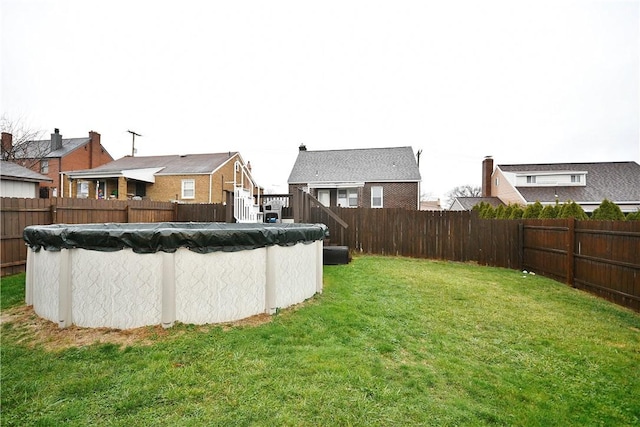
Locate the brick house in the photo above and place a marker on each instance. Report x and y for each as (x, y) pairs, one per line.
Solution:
(587, 184)
(191, 178)
(53, 157)
(367, 178)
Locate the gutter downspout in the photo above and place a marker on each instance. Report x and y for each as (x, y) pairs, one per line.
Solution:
(61, 183)
(211, 186)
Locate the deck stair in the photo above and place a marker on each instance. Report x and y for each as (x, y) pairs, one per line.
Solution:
(246, 203)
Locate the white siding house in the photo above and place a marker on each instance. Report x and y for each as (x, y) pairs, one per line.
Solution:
(18, 181)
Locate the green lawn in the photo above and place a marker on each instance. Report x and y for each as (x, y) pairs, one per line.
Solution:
(391, 341)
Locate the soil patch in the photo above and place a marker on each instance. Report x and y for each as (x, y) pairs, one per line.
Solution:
(32, 330)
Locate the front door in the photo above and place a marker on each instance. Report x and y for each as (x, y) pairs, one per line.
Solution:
(323, 197)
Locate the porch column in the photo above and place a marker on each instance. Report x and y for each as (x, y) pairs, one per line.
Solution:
(122, 188)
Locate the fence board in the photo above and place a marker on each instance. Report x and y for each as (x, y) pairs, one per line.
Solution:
(17, 213)
(608, 260)
(546, 247)
(202, 213)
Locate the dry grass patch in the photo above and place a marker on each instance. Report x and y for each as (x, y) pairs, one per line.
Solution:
(33, 331)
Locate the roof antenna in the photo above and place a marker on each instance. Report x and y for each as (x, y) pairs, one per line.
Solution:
(133, 143)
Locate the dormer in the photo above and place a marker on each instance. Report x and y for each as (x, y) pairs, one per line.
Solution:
(551, 179)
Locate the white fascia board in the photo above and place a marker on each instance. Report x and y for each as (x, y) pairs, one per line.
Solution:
(92, 175)
(335, 184)
(24, 179)
(538, 173)
(146, 175)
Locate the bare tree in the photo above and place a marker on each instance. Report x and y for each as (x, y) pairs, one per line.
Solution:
(25, 147)
(463, 191)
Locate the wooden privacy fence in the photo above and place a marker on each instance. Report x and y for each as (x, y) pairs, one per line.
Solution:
(602, 257)
(449, 235)
(203, 212)
(418, 234)
(16, 214)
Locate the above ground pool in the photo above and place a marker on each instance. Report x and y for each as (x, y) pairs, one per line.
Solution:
(130, 275)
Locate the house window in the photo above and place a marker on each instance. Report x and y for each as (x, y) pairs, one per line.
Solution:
(83, 190)
(376, 197)
(141, 189)
(188, 189)
(531, 179)
(348, 197)
(44, 166)
(575, 178)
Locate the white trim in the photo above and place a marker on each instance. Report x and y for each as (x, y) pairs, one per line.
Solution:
(335, 184)
(210, 186)
(538, 173)
(144, 174)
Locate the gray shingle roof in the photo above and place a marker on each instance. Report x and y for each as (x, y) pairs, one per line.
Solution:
(615, 181)
(355, 165)
(468, 203)
(171, 165)
(42, 148)
(16, 172)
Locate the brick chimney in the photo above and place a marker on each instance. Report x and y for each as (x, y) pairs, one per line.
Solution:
(302, 147)
(487, 170)
(56, 140)
(7, 143)
(94, 149)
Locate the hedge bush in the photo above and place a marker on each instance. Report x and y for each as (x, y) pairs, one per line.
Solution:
(608, 211)
(570, 209)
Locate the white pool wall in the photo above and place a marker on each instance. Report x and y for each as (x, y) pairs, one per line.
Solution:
(123, 289)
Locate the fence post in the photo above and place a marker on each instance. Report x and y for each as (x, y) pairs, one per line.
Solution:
(175, 212)
(520, 244)
(296, 204)
(571, 246)
(53, 209)
(293, 204)
(229, 210)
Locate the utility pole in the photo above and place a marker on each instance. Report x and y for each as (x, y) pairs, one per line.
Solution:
(133, 143)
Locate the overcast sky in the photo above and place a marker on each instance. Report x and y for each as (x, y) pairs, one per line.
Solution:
(523, 81)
